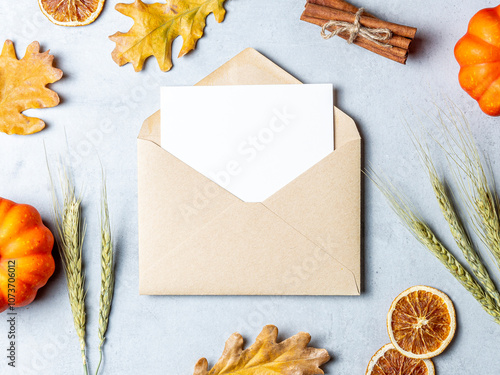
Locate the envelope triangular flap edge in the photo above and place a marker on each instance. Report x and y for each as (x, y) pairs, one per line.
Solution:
(249, 67)
(324, 205)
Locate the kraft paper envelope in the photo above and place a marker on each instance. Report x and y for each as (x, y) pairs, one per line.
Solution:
(196, 238)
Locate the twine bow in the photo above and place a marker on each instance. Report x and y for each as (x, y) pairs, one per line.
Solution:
(354, 29)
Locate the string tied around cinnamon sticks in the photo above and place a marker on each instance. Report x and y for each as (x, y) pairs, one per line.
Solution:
(355, 29)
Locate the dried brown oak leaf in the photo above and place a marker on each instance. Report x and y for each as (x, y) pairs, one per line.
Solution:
(23, 86)
(157, 25)
(267, 357)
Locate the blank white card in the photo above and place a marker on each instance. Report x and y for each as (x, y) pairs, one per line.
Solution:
(251, 140)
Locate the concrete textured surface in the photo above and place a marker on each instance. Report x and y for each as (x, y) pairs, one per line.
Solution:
(102, 109)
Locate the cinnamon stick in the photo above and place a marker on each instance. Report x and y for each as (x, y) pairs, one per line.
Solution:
(338, 4)
(397, 54)
(327, 13)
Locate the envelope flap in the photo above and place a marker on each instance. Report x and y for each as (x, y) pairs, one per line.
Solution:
(245, 250)
(249, 68)
(252, 68)
(346, 130)
(151, 129)
(174, 199)
(324, 203)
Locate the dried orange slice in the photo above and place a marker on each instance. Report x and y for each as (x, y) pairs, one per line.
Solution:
(389, 361)
(71, 12)
(421, 322)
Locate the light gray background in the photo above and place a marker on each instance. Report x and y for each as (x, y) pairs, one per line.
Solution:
(102, 109)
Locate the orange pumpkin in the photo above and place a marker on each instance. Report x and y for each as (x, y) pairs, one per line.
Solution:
(26, 261)
(478, 53)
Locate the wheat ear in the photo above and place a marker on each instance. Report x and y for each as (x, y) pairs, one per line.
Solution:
(457, 229)
(462, 238)
(486, 206)
(425, 236)
(71, 233)
(107, 273)
(476, 186)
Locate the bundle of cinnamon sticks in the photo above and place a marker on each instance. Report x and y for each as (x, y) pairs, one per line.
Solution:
(319, 12)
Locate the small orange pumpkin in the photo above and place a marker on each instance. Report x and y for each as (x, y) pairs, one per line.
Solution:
(478, 53)
(26, 261)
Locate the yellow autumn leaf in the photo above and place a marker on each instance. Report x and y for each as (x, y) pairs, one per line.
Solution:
(23, 86)
(157, 25)
(267, 357)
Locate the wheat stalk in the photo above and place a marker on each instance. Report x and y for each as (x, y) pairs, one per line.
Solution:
(107, 274)
(476, 185)
(71, 233)
(486, 207)
(425, 236)
(462, 238)
(457, 229)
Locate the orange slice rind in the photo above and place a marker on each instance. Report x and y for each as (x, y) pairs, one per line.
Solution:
(71, 12)
(388, 360)
(421, 322)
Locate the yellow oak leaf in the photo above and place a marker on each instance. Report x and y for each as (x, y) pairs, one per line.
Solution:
(157, 25)
(23, 86)
(267, 357)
